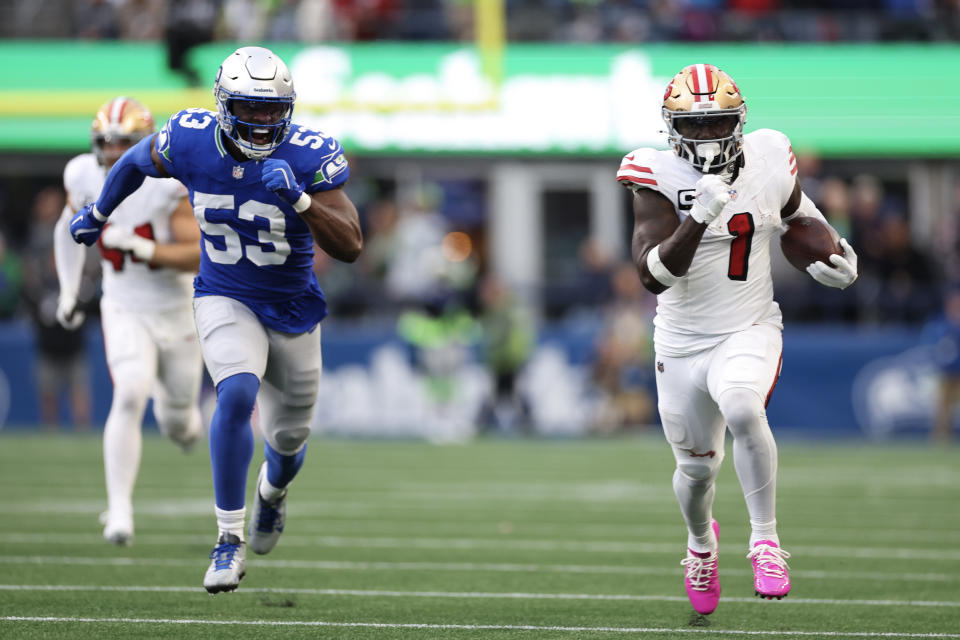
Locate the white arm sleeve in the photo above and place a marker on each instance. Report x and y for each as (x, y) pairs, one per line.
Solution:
(809, 210)
(68, 255)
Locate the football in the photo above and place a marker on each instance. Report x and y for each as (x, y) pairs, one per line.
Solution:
(806, 241)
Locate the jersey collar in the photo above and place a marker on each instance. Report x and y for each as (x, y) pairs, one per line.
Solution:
(219, 140)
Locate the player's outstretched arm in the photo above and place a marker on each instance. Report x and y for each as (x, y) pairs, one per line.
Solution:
(125, 177)
(662, 246)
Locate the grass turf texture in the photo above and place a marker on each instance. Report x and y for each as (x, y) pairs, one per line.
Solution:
(494, 539)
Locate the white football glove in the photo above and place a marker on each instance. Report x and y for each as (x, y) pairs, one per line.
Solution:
(843, 272)
(711, 196)
(68, 315)
(114, 237)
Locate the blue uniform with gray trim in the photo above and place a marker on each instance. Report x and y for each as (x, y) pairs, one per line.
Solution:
(256, 248)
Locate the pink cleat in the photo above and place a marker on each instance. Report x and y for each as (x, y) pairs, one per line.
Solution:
(702, 578)
(770, 578)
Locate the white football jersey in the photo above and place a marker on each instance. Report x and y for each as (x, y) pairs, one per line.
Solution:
(126, 280)
(729, 286)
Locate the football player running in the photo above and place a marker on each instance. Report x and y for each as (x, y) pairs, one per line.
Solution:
(263, 191)
(705, 213)
(149, 252)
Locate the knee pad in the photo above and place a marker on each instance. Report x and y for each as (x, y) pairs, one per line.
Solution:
(742, 410)
(290, 440)
(700, 470)
(130, 395)
(288, 413)
(236, 397)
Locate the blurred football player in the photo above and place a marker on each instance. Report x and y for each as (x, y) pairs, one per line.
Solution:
(149, 253)
(705, 212)
(263, 191)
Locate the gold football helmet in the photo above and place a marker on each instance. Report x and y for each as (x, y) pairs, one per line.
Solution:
(121, 120)
(705, 114)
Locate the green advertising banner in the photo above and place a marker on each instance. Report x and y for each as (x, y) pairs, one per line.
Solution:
(556, 100)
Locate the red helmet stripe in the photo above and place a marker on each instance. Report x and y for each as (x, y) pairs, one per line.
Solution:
(709, 80)
(115, 110)
(123, 107)
(108, 112)
(702, 82)
(696, 82)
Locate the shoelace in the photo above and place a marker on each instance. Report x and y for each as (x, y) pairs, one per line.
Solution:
(699, 570)
(269, 519)
(223, 554)
(772, 561)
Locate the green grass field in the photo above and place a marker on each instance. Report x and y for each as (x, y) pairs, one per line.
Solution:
(495, 539)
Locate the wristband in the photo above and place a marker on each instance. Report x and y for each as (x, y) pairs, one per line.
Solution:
(658, 270)
(302, 203)
(99, 217)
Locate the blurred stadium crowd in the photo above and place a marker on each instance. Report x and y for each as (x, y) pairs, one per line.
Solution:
(424, 268)
(527, 20)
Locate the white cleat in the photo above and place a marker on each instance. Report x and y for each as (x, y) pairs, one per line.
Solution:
(266, 519)
(228, 564)
(118, 529)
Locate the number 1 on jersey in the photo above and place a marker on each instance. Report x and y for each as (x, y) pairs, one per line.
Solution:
(740, 226)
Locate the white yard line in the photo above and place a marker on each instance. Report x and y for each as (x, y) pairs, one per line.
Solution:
(490, 567)
(161, 514)
(496, 543)
(160, 517)
(478, 627)
(378, 593)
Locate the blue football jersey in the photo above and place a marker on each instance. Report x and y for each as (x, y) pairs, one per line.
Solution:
(256, 248)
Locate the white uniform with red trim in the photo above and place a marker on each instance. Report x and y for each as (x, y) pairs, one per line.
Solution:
(127, 282)
(729, 286)
(147, 314)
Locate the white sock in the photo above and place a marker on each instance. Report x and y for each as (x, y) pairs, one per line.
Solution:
(269, 492)
(702, 543)
(231, 521)
(763, 531)
(121, 459)
(696, 499)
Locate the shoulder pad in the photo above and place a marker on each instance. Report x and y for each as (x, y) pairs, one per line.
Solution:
(318, 157)
(776, 145)
(183, 123)
(81, 180)
(76, 169)
(637, 169)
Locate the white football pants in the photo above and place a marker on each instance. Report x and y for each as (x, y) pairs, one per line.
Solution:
(287, 365)
(702, 395)
(150, 354)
